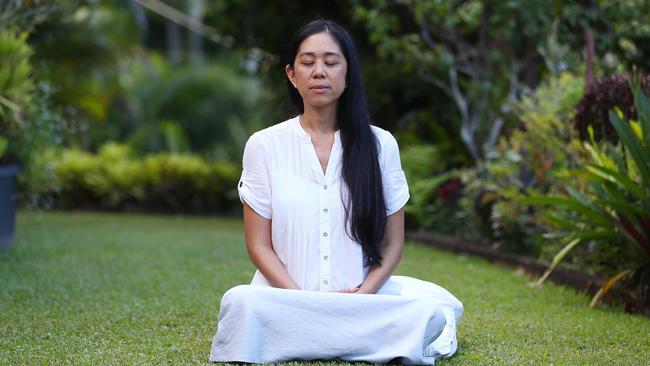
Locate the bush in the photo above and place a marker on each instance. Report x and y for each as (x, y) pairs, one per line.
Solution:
(531, 158)
(16, 87)
(210, 109)
(604, 95)
(424, 167)
(115, 179)
(612, 216)
(28, 122)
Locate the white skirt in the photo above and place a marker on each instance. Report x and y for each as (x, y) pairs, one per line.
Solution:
(410, 320)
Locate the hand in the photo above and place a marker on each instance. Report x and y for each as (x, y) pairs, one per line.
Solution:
(350, 290)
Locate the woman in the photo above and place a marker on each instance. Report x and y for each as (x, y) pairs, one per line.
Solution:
(323, 196)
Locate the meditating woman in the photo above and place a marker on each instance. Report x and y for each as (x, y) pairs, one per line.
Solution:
(323, 196)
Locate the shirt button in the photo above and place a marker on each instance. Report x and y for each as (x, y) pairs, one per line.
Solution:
(325, 234)
(325, 186)
(325, 282)
(325, 257)
(325, 210)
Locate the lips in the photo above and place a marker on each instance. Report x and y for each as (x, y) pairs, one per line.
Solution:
(319, 87)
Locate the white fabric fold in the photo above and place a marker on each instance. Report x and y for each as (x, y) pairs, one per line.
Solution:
(410, 320)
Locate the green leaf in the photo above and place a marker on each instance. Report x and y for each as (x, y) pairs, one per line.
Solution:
(600, 187)
(556, 235)
(558, 258)
(621, 164)
(636, 129)
(571, 203)
(3, 145)
(560, 221)
(643, 109)
(633, 145)
(621, 206)
(602, 233)
(589, 209)
(621, 180)
(599, 156)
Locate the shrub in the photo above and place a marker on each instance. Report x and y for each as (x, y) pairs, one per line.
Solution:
(531, 158)
(115, 179)
(423, 166)
(613, 215)
(605, 94)
(16, 87)
(210, 109)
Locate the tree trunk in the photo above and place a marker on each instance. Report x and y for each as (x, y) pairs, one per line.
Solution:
(196, 10)
(140, 17)
(173, 34)
(589, 62)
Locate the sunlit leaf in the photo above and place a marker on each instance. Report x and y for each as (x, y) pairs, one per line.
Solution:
(633, 145)
(557, 259)
(604, 289)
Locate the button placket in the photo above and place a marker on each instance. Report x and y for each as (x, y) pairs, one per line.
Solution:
(325, 236)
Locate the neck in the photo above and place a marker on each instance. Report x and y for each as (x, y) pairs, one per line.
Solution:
(319, 120)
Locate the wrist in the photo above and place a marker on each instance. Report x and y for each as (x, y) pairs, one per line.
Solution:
(365, 290)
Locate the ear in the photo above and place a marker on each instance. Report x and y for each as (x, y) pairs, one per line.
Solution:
(291, 74)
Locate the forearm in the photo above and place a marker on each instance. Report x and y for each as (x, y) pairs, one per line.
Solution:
(378, 275)
(260, 250)
(391, 252)
(267, 261)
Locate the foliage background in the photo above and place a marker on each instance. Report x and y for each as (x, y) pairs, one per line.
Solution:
(117, 107)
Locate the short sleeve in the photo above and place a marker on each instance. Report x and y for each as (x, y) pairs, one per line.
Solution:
(254, 185)
(396, 190)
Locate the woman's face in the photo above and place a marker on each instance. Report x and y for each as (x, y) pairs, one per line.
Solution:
(319, 70)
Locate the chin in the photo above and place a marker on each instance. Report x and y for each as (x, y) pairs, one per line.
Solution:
(320, 103)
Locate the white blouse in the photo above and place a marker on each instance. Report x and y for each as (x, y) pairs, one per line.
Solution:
(282, 180)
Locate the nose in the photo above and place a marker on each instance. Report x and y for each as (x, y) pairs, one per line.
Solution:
(319, 70)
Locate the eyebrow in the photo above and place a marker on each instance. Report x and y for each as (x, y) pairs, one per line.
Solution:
(312, 54)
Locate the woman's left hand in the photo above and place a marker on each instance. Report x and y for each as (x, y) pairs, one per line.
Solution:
(351, 290)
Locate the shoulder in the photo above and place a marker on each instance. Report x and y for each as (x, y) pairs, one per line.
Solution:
(386, 141)
(268, 136)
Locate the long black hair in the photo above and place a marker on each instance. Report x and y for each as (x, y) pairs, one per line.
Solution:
(365, 209)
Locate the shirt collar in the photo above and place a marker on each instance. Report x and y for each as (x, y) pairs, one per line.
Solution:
(304, 135)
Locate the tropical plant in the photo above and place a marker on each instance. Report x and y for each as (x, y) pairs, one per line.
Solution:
(27, 120)
(615, 209)
(424, 168)
(606, 93)
(15, 85)
(519, 166)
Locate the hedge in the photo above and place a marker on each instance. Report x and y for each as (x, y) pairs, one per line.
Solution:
(115, 179)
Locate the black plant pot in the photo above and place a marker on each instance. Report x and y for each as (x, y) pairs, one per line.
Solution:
(7, 205)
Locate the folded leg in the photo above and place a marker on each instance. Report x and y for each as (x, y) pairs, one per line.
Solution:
(446, 344)
(263, 324)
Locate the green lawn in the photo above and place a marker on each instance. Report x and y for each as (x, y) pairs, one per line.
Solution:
(135, 289)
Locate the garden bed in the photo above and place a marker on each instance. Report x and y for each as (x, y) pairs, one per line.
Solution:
(578, 280)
